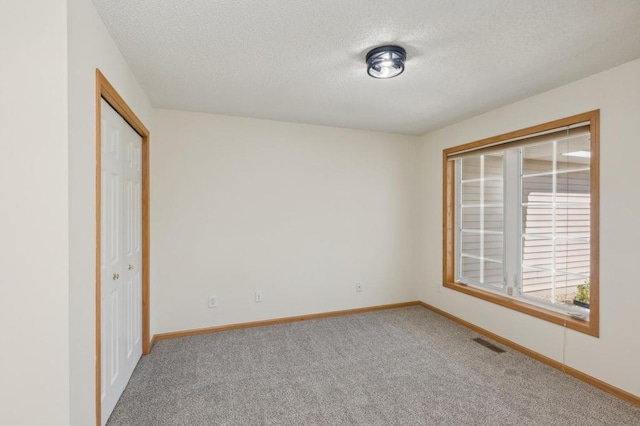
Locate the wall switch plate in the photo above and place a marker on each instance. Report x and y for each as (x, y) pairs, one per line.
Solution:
(358, 287)
(213, 301)
(258, 296)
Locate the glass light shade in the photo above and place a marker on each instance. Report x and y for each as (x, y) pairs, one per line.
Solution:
(386, 61)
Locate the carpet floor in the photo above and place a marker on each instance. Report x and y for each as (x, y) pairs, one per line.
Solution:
(404, 366)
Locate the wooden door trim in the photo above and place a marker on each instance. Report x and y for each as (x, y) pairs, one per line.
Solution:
(104, 90)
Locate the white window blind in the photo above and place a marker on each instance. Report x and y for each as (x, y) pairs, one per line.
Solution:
(555, 205)
(552, 232)
(481, 219)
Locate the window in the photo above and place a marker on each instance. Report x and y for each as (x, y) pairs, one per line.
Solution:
(521, 220)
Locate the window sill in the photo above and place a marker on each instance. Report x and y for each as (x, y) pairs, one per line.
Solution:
(589, 327)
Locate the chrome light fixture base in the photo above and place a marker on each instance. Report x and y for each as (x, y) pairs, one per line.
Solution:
(386, 61)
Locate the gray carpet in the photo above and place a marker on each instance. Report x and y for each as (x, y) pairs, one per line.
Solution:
(398, 367)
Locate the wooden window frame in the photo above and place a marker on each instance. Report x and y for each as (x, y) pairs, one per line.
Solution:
(590, 327)
(104, 90)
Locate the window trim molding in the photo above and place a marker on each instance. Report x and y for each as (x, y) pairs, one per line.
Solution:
(591, 327)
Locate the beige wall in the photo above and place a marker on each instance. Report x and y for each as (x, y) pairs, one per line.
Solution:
(297, 211)
(613, 357)
(34, 363)
(90, 47)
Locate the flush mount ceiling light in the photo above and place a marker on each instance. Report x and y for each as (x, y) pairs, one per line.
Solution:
(386, 61)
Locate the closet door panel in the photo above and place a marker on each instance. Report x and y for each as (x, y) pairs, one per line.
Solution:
(111, 262)
(132, 174)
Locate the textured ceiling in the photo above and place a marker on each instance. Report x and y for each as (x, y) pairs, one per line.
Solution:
(303, 60)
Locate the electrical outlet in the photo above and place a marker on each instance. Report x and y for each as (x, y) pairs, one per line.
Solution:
(258, 296)
(439, 286)
(358, 287)
(213, 301)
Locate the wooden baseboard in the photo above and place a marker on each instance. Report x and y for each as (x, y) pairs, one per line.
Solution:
(176, 334)
(629, 397)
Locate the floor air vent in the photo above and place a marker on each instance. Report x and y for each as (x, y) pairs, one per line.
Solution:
(488, 345)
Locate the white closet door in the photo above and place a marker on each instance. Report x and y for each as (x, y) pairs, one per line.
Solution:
(132, 274)
(121, 256)
(111, 260)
